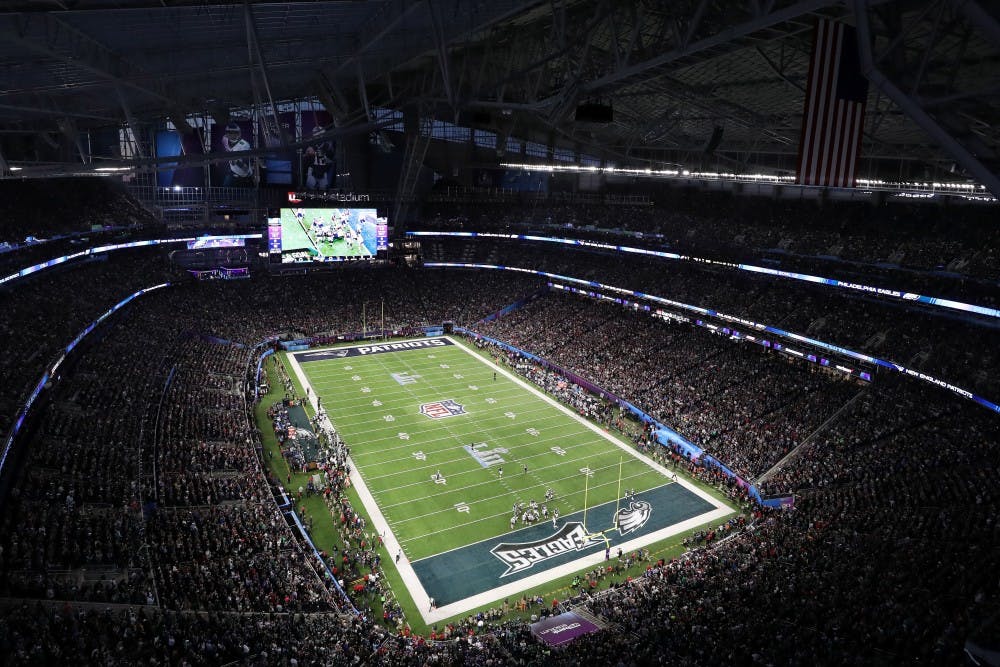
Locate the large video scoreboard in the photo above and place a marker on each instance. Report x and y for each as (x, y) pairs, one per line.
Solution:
(306, 235)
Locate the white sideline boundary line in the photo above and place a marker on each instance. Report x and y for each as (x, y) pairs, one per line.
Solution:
(409, 576)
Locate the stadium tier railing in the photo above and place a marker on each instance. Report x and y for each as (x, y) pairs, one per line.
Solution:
(747, 325)
(100, 250)
(900, 295)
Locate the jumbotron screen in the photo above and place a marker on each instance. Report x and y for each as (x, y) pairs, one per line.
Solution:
(303, 235)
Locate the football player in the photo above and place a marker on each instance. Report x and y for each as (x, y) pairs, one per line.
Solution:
(240, 170)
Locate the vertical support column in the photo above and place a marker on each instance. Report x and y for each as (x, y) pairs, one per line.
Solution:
(131, 122)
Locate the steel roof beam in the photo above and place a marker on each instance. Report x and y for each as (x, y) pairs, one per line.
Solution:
(981, 19)
(256, 57)
(65, 43)
(441, 45)
(55, 112)
(622, 76)
(383, 21)
(133, 126)
(912, 108)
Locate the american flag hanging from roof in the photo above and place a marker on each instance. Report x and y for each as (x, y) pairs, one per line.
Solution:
(834, 115)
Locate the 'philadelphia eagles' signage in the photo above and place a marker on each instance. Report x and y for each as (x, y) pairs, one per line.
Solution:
(571, 537)
(368, 350)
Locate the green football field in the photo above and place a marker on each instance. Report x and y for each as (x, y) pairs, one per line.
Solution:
(446, 444)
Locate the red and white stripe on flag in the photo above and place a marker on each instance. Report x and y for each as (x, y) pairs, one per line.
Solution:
(833, 117)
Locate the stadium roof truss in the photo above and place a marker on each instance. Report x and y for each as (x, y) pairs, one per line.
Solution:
(704, 83)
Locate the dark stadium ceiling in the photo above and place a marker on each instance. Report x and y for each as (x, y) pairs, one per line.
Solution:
(674, 72)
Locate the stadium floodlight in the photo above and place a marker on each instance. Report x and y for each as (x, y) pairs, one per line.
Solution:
(952, 187)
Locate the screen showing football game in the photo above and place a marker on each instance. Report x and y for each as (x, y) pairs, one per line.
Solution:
(303, 235)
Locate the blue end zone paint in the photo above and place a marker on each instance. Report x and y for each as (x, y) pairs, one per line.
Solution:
(370, 349)
(473, 569)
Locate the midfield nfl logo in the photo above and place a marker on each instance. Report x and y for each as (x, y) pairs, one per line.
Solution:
(442, 409)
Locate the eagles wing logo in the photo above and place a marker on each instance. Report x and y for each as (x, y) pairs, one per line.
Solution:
(633, 517)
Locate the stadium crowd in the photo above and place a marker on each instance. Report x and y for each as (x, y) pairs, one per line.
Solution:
(888, 236)
(719, 395)
(959, 348)
(46, 208)
(141, 525)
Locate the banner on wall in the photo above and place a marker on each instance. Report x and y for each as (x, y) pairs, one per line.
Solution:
(521, 180)
(278, 168)
(318, 164)
(171, 143)
(234, 137)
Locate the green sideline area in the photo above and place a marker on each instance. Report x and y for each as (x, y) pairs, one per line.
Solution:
(447, 444)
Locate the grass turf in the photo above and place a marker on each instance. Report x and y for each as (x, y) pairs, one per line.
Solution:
(324, 535)
(398, 449)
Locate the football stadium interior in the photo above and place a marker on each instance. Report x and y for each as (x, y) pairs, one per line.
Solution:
(520, 332)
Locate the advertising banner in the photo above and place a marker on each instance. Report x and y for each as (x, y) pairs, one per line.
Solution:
(561, 629)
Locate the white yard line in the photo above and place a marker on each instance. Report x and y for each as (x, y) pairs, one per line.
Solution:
(593, 427)
(442, 425)
(409, 577)
(424, 446)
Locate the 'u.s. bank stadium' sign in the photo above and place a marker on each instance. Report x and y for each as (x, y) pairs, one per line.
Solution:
(368, 350)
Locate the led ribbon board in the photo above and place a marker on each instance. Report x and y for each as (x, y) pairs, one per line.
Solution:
(891, 365)
(119, 246)
(805, 277)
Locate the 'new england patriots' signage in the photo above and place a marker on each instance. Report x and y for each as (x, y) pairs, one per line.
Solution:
(368, 350)
(442, 409)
